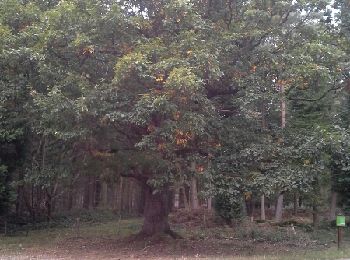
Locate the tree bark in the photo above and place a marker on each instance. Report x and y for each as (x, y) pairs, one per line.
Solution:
(279, 208)
(283, 108)
(104, 194)
(97, 192)
(19, 198)
(48, 206)
(176, 197)
(210, 202)
(186, 204)
(249, 208)
(70, 199)
(120, 195)
(315, 218)
(131, 194)
(295, 206)
(87, 198)
(333, 206)
(194, 194)
(262, 208)
(264, 127)
(155, 212)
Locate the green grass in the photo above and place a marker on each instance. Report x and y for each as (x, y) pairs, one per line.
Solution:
(328, 254)
(48, 238)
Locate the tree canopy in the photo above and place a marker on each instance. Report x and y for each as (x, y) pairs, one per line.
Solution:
(251, 97)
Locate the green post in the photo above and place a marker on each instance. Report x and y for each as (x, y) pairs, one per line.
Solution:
(340, 221)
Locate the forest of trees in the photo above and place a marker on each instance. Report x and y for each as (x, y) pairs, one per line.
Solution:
(143, 106)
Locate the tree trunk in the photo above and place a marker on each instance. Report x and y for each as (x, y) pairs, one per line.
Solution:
(70, 199)
(186, 204)
(315, 218)
(210, 202)
(279, 208)
(48, 206)
(19, 198)
(283, 108)
(155, 213)
(262, 208)
(264, 127)
(119, 195)
(333, 206)
(97, 192)
(249, 207)
(87, 198)
(104, 194)
(295, 206)
(194, 194)
(125, 196)
(131, 198)
(176, 197)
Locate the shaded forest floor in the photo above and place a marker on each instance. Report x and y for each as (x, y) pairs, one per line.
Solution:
(111, 240)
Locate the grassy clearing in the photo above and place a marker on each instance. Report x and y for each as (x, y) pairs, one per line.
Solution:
(246, 243)
(51, 236)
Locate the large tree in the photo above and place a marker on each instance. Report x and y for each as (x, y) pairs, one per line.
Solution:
(161, 91)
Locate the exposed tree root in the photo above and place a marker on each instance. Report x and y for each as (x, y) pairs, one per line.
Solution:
(173, 234)
(156, 237)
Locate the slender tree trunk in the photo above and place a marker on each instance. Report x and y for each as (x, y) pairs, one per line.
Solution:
(263, 115)
(29, 204)
(210, 206)
(115, 196)
(279, 208)
(315, 217)
(19, 199)
(186, 204)
(120, 195)
(333, 206)
(86, 199)
(70, 199)
(263, 126)
(262, 208)
(250, 208)
(97, 192)
(141, 200)
(125, 196)
(283, 108)
(176, 197)
(104, 194)
(48, 206)
(194, 194)
(131, 197)
(295, 204)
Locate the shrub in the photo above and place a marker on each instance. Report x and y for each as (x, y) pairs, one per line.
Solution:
(228, 207)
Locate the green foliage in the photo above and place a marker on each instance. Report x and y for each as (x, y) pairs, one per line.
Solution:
(228, 207)
(6, 192)
(158, 85)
